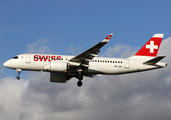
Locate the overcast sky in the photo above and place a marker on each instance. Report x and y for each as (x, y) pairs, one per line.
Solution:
(70, 27)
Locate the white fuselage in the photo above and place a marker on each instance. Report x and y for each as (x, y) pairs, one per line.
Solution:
(99, 65)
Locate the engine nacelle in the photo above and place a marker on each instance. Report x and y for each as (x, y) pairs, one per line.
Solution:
(56, 66)
(60, 78)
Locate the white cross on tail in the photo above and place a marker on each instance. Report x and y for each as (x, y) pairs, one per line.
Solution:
(152, 46)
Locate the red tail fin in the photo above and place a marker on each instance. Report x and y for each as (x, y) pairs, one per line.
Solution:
(151, 47)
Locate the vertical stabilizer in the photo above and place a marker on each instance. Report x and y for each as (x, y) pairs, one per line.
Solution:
(151, 48)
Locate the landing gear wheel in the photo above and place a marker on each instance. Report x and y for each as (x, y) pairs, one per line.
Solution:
(79, 83)
(18, 77)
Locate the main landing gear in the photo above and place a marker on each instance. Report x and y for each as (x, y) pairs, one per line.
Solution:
(79, 83)
(80, 78)
(19, 71)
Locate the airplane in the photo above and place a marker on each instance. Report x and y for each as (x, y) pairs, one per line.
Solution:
(64, 67)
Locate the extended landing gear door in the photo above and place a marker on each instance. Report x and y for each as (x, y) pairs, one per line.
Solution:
(28, 58)
(126, 63)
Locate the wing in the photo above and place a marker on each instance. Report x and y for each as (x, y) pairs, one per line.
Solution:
(84, 58)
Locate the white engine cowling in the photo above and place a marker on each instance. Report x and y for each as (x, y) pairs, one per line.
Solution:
(56, 66)
(61, 78)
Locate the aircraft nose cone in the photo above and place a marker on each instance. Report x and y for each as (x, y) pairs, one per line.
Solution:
(7, 64)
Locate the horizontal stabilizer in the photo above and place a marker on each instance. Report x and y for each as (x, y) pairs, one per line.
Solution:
(154, 60)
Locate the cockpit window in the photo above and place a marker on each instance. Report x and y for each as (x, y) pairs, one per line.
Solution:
(16, 57)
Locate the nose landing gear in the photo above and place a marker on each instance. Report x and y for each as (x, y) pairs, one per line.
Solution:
(19, 71)
(18, 77)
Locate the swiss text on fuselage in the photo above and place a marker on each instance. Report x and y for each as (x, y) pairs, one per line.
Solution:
(46, 58)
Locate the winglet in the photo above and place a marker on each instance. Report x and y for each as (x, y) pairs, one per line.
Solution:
(108, 38)
(158, 35)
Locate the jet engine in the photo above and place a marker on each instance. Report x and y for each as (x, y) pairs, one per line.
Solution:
(60, 78)
(56, 66)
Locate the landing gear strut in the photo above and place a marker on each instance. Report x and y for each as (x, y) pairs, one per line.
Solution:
(19, 71)
(80, 77)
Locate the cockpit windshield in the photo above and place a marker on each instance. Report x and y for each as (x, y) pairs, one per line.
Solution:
(16, 57)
